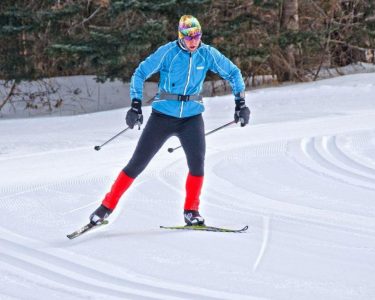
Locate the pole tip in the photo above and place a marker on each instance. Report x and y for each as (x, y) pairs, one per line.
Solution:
(97, 148)
(170, 150)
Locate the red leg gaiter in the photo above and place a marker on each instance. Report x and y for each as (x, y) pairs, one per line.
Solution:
(193, 190)
(119, 187)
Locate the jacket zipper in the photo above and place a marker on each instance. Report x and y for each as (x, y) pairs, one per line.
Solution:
(187, 83)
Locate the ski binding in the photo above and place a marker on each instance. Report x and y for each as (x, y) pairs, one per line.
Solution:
(85, 228)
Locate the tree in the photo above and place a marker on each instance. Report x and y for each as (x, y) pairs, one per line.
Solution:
(108, 38)
(289, 25)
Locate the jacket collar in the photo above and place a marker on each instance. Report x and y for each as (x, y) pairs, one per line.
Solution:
(181, 44)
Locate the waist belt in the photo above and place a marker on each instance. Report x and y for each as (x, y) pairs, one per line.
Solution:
(167, 96)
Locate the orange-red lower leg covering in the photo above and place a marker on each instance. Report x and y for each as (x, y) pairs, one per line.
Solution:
(193, 191)
(119, 187)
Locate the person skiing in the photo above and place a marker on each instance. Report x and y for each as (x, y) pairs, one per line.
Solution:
(176, 111)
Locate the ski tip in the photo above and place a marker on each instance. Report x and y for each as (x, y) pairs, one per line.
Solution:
(85, 228)
(72, 235)
(169, 227)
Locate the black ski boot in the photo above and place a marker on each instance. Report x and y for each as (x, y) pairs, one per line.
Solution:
(192, 217)
(100, 214)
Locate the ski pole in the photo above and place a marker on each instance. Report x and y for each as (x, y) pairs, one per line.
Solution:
(97, 148)
(170, 150)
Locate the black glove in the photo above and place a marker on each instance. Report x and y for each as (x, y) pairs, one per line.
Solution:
(134, 115)
(241, 111)
(100, 214)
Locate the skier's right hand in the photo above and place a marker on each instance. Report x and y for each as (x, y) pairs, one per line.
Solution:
(134, 115)
(100, 214)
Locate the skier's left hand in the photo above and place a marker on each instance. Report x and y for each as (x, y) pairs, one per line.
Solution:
(241, 111)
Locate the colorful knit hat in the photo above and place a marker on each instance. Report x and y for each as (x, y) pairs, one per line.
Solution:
(188, 27)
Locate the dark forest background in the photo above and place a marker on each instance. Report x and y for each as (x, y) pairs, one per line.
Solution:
(290, 39)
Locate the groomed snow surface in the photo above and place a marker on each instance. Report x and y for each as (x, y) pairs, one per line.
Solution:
(301, 175)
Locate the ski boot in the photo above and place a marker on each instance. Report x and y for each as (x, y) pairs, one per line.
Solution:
(100, 214)
(192, 217)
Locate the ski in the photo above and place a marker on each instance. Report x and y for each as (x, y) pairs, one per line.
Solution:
(85, 228)
(205, 228)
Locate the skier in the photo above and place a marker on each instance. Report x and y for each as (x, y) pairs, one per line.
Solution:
(176, 111)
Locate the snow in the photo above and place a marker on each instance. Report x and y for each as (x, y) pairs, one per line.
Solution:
(301, 175)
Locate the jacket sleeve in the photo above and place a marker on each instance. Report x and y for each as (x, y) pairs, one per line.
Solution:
(227, 70)
(148, 67)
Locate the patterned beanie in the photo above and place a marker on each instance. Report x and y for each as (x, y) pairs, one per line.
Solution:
(188, 26)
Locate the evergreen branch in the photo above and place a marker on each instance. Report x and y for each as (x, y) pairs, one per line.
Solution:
(370, 19)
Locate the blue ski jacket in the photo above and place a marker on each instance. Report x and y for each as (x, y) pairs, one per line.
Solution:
(183, 73)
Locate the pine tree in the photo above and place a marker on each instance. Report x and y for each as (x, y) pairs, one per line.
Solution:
(15, 23)
(109, 38)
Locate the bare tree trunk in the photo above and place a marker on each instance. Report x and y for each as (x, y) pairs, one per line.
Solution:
(9, 96)
(289, 22)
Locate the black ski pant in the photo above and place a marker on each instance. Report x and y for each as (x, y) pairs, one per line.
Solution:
(159, 128)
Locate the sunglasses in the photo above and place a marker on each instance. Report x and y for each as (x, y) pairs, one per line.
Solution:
(195, 37)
